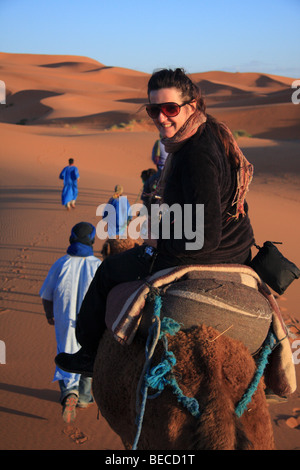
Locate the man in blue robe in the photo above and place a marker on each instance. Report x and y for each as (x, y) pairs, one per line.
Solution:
(117, 213)
(70, 175)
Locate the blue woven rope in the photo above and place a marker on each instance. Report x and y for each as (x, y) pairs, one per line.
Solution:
(260, 368)
(161, 375)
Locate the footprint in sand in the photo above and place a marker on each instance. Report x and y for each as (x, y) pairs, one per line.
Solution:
(293, 421)
(23, 257)
(293, 327)
(75, 434)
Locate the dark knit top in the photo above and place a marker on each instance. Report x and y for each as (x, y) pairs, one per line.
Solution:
(201, 174)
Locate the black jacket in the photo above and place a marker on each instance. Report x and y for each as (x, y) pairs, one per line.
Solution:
(202, 174)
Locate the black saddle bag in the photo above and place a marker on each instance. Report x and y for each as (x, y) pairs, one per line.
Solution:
(273, 268)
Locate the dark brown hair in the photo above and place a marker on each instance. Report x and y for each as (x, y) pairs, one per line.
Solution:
(168, 78)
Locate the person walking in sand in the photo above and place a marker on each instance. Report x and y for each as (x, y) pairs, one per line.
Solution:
(70, 176)
(62, 293)
(117, 213)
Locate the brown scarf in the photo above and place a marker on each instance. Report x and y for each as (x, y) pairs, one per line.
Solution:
(244, 170)
(244, 178)
(188, 129)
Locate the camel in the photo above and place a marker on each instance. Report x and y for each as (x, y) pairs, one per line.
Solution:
(212, 368)
(215, 372)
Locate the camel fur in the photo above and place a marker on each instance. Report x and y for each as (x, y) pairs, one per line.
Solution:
(214, 369)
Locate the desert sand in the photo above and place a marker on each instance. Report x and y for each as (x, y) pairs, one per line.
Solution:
(59, 107)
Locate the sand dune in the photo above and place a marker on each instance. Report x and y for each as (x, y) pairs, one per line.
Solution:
(63, 106)
(81, 91)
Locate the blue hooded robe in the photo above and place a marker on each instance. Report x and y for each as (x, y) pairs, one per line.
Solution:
(69, 174)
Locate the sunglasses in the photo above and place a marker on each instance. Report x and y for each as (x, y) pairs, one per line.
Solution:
(168, 109)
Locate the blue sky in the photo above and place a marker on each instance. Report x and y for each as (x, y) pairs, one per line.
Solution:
(199, 35)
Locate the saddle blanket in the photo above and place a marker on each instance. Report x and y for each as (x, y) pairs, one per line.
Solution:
(227, 295)
(126, 301)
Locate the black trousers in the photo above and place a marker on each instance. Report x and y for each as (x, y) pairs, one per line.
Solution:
(128, 266)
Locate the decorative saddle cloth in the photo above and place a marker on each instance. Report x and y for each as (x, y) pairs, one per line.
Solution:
(230, 298)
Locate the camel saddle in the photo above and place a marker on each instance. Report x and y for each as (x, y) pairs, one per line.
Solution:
(230, 298)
